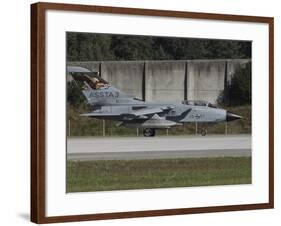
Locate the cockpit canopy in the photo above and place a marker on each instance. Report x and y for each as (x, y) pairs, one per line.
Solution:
(87, 78)
(199, 103)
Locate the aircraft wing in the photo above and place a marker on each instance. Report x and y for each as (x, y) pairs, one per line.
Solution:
(127, 116)
(144, 113)
(147, 111)
(140, 113)
(97, 114)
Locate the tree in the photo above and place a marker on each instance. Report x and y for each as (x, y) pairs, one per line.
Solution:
(239, 90)
(221, 49)
(104, 47)
(74, 96)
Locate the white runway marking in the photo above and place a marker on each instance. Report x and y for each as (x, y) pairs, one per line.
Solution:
(101, 148)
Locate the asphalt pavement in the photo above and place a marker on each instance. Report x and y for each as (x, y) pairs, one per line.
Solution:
(159, 147)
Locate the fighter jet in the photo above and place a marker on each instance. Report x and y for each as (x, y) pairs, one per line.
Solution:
(107, 102)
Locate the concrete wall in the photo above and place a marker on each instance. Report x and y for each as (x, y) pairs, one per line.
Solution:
(205, 79)
(167, 80)
(126, 76)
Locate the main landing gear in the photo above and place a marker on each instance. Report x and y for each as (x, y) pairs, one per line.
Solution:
(149, 132)
(204, 132)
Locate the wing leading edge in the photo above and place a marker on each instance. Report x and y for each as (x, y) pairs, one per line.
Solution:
(140, 113)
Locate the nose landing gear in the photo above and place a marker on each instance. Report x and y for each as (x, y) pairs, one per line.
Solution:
(149, 132)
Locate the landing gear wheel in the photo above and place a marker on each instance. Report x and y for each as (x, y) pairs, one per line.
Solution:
(149, 132)
(203, 132)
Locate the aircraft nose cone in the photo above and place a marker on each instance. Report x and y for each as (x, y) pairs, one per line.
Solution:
(231, 117)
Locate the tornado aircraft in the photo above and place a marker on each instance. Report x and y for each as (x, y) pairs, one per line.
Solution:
(107, 102)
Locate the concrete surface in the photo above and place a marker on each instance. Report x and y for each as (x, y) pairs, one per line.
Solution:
(164, 80)
(158, 147)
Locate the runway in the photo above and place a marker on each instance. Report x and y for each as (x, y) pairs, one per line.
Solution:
(159, 147)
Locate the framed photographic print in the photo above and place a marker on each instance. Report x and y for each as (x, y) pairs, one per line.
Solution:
(140, 112)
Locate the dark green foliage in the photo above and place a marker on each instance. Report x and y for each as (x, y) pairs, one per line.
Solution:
(104, 47)
(238, 92)
(225, 49)
(84, 46)
(241, 87)
(74, 96)
(131, 47)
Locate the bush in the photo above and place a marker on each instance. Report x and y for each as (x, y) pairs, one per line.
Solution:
(239, 90)
(74, 96)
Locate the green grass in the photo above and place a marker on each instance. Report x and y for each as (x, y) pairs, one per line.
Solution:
(105, 175)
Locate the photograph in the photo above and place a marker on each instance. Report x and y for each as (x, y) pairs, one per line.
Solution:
(156, 112)
(139, 112)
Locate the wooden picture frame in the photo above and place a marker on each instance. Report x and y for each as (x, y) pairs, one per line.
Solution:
(38, 116)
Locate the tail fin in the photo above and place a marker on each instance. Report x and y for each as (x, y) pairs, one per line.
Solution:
(96, 90)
